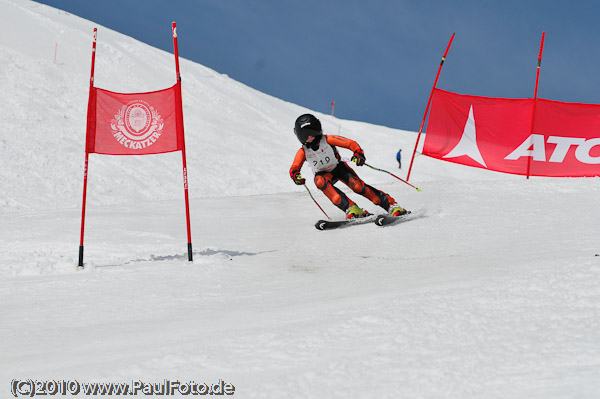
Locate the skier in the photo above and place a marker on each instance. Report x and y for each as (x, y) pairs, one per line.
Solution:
(322, 155)
(399, 158)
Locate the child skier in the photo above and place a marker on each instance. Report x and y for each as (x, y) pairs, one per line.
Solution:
(321, 153)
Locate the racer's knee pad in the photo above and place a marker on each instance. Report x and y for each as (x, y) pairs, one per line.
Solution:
(320, 182)
(357, 185)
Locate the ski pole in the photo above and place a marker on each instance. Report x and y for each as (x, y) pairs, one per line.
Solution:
(390, 173)
(313, 198)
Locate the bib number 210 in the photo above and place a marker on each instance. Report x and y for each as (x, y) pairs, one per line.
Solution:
(321, 162)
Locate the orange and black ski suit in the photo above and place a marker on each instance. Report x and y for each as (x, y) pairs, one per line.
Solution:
(328, 168)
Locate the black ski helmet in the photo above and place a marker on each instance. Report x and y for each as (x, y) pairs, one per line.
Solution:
(307, 125)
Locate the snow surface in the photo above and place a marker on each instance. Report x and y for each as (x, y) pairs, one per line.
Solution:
(494, 292)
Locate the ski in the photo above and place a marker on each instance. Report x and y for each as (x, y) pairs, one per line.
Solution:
(335, 224)
(379, 220)
(386, 220)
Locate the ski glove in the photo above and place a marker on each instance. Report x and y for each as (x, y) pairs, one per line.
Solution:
(359, 157)
(297, 178)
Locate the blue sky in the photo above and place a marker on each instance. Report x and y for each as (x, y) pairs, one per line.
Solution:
(376, 59)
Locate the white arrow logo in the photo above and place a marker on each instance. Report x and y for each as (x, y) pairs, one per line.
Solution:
(468, 143)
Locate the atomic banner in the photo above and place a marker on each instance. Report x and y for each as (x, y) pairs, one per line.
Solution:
(519, 136)
(135, 123)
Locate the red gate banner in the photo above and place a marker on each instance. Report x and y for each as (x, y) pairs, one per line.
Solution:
(135, 123)
(502, 135)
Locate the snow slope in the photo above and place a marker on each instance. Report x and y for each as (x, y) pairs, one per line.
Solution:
(493, 292)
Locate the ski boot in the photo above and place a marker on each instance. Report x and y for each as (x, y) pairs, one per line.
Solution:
(355, 212)
(396, 210)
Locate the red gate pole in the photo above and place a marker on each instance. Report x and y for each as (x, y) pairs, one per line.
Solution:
(185, 178)
(85, 170)
(427, 108)
(537, 80)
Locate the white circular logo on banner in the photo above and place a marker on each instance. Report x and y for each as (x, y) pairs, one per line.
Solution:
(137, 125)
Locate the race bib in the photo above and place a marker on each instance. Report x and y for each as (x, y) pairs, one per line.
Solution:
(323, 159)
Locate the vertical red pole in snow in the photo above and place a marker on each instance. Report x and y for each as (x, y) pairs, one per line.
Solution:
(185, 177)
(537, 80)
(427, 108)
(85, 170)
(332, 107)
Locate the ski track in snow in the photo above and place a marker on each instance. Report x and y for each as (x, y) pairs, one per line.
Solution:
(491, 291)
(446, 302)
